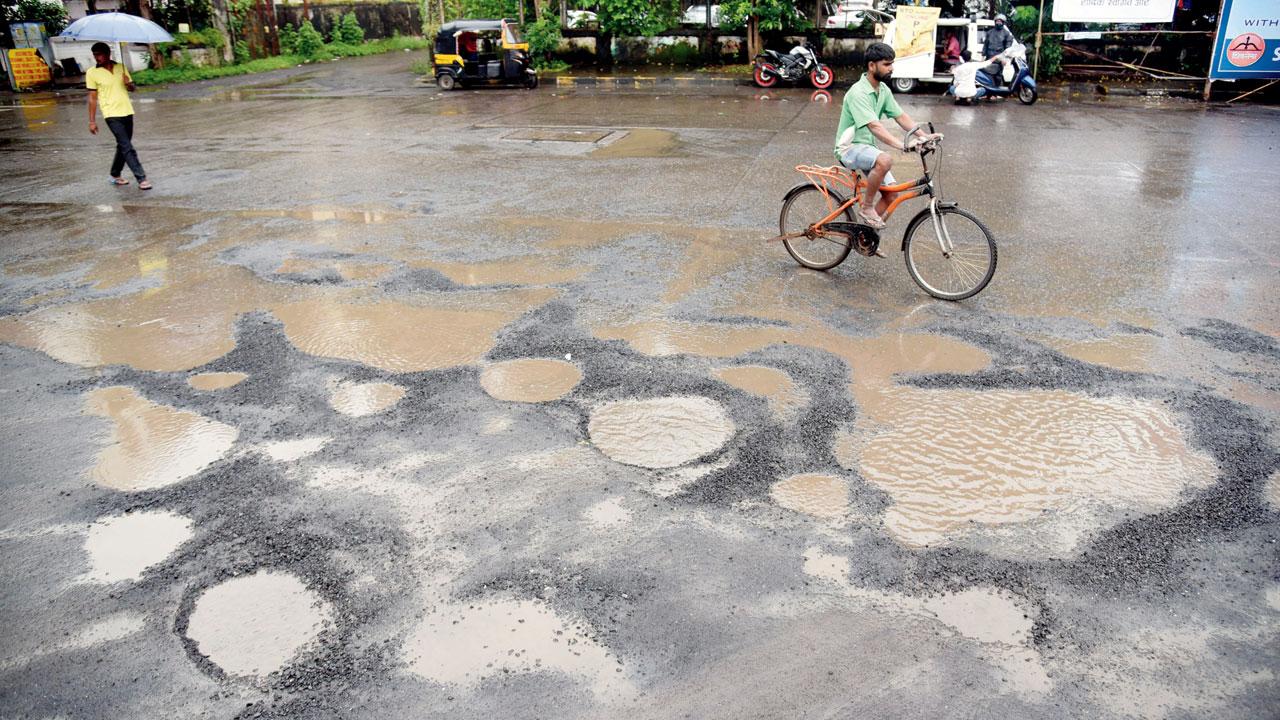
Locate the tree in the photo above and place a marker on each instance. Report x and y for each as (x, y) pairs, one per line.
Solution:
(49, 12)
(629, 18)
(760, 15)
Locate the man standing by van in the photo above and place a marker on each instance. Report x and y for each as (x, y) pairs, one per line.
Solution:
(109, 85)
(865, 105)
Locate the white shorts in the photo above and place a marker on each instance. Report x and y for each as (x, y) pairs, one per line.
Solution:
(862, 158)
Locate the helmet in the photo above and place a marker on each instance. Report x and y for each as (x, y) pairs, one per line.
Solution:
(1001, 18)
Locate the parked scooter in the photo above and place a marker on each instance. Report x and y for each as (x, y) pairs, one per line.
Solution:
(972, 81)
(772, 66)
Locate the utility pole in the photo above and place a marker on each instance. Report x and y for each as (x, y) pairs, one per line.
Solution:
(1213, 53)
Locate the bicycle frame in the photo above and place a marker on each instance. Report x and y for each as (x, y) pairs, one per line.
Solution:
(831, 178)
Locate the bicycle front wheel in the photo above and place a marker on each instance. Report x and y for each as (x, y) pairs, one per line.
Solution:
(953, 267)
(803, 207)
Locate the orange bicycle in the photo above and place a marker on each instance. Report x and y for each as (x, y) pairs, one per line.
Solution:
(950, 254)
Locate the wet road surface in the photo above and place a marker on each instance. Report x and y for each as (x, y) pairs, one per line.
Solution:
(392, 403)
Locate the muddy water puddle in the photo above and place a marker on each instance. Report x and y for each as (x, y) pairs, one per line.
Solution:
(124, 546)
(348, 269)
(817, 494)
(826, 566)
(254, 625)
(660, 432)
(1130, 353)
(954, 457)
(362, 399)
(216, 380)
(463, 645)
(524, 271)
(530, 379)
(641, 143)
(663, 337)
(393, 336)
(153, 445)
(770, 383)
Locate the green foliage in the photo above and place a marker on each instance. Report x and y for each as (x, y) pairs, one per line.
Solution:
(637, 17)
(490, 9)
(1023, 22)
(680, 53)
(422, 66)
(240, 52)
(169, 13)
(310, 43)
(288, 39)
(543, 36)
(348, 30)
(237, 12)
(771, 14)
(49, 12)
(552, 65)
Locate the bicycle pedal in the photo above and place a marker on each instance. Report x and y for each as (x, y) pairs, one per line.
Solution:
(866, 240)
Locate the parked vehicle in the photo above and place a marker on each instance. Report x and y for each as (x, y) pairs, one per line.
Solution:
(580, 18)
(847, 14)
(973, 80)
(482, 52)
(771, 66)
(928, 67)
(697, 15)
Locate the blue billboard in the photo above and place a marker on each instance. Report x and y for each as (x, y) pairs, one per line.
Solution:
(1248, 41)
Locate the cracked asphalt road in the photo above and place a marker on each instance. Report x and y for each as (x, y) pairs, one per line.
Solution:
(393, 403)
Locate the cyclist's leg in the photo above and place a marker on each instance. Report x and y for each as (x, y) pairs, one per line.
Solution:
(886, 197)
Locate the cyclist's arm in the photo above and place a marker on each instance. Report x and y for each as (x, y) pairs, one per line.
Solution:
(883, 135)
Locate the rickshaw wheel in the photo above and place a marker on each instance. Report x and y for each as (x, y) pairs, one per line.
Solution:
(446, 81)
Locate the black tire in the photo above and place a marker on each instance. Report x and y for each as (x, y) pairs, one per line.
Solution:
(971, 266)
(531, 82)
(904, 85)
(446, 81)
(803, 206)
(1027, 95)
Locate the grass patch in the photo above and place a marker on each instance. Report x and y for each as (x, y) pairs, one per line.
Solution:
(553, 65)
(744, 69)
(190, 73)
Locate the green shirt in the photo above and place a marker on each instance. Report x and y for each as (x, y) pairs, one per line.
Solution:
(863, 105)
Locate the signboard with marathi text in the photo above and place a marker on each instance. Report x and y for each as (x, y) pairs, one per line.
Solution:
(913, 30)
(1248, 40)
(28, 69)
(1114, 11)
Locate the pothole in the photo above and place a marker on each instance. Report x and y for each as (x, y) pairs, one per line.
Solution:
(661, 432)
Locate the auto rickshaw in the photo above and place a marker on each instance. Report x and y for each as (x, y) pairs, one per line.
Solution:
(474, 52)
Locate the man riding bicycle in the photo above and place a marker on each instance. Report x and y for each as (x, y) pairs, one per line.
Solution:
(865, 104)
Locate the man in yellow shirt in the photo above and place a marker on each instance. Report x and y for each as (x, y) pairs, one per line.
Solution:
(109, 85)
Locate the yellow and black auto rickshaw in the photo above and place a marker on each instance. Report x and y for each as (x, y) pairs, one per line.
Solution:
(475, 52)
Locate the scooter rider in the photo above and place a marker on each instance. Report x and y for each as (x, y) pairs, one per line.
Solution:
(865, 105)
(999, 38)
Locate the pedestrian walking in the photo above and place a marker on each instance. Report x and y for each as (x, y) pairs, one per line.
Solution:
(109, 85)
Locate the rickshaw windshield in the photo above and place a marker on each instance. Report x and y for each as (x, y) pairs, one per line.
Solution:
(511, 34)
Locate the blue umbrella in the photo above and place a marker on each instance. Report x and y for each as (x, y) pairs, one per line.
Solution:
(116, 27)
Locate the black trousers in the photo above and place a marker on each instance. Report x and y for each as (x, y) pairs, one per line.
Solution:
(122, 128)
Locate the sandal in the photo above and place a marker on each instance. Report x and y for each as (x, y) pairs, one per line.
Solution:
(117, 181)
(144, 185)
(869, 217)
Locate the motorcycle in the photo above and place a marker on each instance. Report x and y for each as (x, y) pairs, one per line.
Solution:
(973, 82)
(771, 66)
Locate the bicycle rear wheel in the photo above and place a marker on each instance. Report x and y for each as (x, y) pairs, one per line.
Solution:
(804, 206)
(960, 272)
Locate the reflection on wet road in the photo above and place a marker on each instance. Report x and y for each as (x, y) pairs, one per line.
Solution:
(388, 399)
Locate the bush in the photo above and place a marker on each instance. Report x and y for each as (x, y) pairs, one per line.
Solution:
(348, 31)
(288, 39)
(677, 54)
(310, 43)
(543, 36)
(240, 51)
